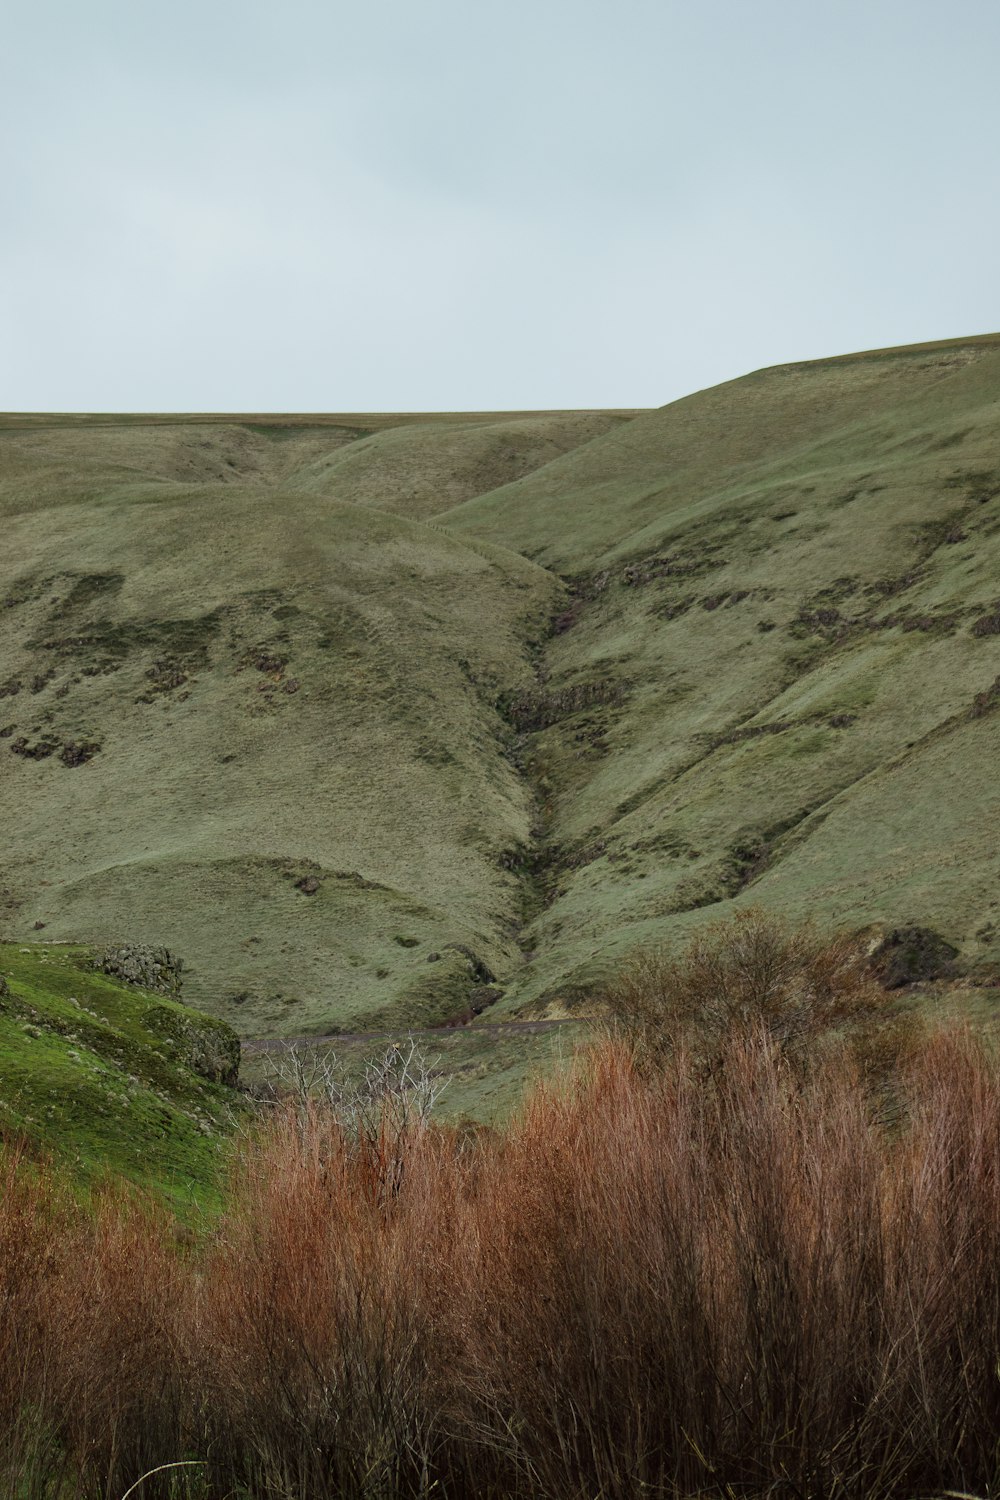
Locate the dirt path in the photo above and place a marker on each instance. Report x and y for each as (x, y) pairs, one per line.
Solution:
(276, 1043)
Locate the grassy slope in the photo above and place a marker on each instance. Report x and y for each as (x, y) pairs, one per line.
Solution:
(401, 472)
(284, 686)
(767, 682)
(782, 576)
(93, 1071)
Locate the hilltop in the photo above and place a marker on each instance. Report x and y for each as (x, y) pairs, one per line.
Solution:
(377, 720)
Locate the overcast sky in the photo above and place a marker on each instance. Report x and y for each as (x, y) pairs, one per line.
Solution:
(447, 204)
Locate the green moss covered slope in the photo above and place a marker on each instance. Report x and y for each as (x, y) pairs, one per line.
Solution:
(105, 1077)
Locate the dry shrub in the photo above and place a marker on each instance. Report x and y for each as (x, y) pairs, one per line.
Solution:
(91, 1302)
(312, 1335)
(656, 1282)
(753, 971)
(114, 1315)
(33, 1217)
(683, 1291)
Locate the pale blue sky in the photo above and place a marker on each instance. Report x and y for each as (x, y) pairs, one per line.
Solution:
(398, 205)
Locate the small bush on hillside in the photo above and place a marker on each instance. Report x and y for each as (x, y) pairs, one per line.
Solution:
(907, 955)
(755, 971)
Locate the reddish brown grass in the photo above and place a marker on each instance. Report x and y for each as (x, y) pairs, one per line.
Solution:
(657, 1282)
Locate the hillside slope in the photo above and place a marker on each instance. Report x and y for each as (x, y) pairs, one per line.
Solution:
(106, 1077)
(418, 470)
(255, 723)
(779, 675)
(269, 695)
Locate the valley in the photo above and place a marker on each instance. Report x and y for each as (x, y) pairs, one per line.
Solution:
(383, 721)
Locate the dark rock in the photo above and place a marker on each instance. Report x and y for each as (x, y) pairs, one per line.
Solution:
(308, 885)
(78, 752)
(987, 624)
(982, 704)
(263, 659)
(482, 997)
(40, 750)
(208, 1047)
(149, 968)
(480, 972)
(907, 955)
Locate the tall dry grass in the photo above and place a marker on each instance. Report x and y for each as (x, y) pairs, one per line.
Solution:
(664, 1280)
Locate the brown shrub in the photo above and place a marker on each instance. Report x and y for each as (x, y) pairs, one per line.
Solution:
(311, 1340)
(645, 1286)
(754, 970)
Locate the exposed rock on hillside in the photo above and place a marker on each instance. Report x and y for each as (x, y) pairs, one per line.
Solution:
(150, 968)
(208, 1047)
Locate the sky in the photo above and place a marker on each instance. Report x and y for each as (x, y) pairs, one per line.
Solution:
(433, 205)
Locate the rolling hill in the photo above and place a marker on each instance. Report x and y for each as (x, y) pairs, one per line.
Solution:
(777, 677)
(378, 719)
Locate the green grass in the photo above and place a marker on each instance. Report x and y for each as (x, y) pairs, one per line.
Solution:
(97, 1074)
(283, 686)
(786, 571)
(543, 687)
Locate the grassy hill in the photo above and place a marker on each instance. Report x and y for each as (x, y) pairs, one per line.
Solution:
(375, 718)
(776, 677)
(109, 1078)
(255, 722)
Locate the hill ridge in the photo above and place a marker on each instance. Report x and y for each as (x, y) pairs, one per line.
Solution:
(415, 720)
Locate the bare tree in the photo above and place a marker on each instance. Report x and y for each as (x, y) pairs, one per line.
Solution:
(379, 1115)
